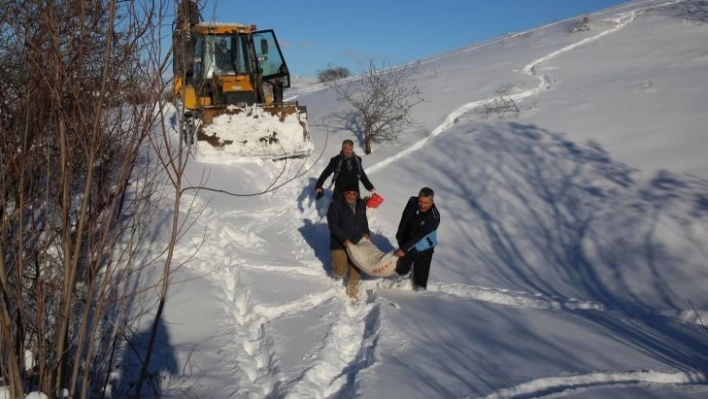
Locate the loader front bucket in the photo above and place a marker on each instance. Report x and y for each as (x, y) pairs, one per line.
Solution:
(272, 131)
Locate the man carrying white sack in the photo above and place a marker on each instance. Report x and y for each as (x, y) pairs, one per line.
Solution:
(348, 225)
(417, 237)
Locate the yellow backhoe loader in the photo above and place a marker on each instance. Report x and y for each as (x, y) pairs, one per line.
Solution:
(229, 81)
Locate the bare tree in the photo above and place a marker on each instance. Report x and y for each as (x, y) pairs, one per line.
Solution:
(77, 115)
(382, 99)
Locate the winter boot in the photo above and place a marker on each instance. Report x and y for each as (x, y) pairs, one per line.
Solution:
(353, 291)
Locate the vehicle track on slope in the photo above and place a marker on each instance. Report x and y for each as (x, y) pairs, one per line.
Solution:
(545, 83)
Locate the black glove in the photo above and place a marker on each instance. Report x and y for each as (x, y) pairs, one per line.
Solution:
(319, 195)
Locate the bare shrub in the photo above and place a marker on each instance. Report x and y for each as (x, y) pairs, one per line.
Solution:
(582, 24)
(502, 105)
(382, 99)
(332, 73)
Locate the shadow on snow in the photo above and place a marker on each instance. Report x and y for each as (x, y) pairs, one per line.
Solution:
(552, 217)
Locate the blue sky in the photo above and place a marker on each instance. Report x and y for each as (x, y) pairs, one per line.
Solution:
(315, 33)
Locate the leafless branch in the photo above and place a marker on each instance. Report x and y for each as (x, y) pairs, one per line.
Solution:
(382, 99)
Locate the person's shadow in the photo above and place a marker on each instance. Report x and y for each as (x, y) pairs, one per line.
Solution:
(317, 236)
(162, 361)
(307, 199)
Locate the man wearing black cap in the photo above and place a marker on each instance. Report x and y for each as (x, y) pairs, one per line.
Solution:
(347, 170)
(346, 218)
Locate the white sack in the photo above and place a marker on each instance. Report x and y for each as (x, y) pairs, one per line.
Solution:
(372, 261)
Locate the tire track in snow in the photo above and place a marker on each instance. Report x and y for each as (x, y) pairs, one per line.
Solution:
(553, 385)
(507, 297)
(541, 302)
(523, 300)
(545, 84)
(308, 270)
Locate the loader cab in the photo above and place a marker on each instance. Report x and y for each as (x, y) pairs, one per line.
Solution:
(225, 55)
(222, 69)
(229, 64)
(218, 55)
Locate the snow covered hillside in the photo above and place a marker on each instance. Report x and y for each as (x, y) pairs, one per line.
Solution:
(572, 259)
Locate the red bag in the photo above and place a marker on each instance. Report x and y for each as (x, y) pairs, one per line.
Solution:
(374, 201)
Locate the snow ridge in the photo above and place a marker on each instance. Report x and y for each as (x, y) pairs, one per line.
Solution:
(547, 386)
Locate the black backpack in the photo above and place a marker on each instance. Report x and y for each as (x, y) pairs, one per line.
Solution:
(338, 169)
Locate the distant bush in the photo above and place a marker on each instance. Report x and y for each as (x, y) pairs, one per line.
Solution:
(332, 73)
(582, 25)
(503, 104)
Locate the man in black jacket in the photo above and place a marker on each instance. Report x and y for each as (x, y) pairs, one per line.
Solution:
(416, 237)
(346, 218)
(347, 169)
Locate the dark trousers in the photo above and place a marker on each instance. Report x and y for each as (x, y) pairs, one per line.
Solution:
(420, 262)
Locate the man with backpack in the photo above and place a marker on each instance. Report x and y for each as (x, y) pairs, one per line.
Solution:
(347, 170)
(417, 237)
